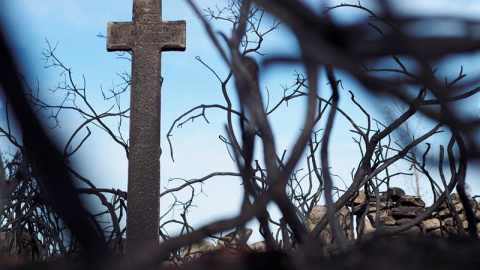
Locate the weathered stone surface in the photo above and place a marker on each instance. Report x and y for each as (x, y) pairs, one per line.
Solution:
(457, 203)
(452, 223)
(429, 224)
(386, 217)
(235, 237)
(477, 214)
(442, 206)
(367, 227)
(455, 197)
(383, 205)
(456, 200)
(395, 193)
(407, 211)
(446, 212)
(146, 30)
(411, 201)
(412, 230)
(359, 209)
(372, 206)
(345, 219)
(196, 250)
(146, 36)
(473, 203)
(392, 214)
(437, 232)
(449, 221)
(383, 197)
(458, 207)
(451, 230)
(258, 246)
(360, 198)
(402, 221)
(317, 213)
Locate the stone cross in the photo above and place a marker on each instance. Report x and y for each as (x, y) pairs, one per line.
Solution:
(146, 36)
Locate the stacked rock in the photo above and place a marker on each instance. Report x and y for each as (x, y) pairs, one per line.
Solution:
(391, 208)
(344, 216)
(394, 208)
(228, 243)
(447, 218)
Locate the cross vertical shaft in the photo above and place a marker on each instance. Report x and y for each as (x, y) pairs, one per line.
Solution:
(146, 37)
(147, 7)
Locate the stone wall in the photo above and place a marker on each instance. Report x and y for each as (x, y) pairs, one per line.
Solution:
(229, 243)
(394, 206)
(397, 208)
(344, 216)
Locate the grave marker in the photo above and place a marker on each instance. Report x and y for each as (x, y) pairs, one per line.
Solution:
(146, 36)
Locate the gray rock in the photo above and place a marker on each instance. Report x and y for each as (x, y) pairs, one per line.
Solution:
(395, 193)
(360, 198)
(408, 200)
(451, 230)
(449, 221)
(438, 232)
(446, 212)
(372, 207)
(407, 211)
(367, 227)
(455, 198)
(258, 246)
(432, 223)
(383, 197)
(234, 238)
(196, 250)
(345, 219)
(386, 217)
(412, 230)
(402, 221)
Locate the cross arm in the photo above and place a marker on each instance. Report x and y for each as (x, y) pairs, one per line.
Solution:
(173, 35)
(164, 35)
(120, 36)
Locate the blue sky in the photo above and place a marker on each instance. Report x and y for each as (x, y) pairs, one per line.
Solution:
(73, 27)
(198, 149)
